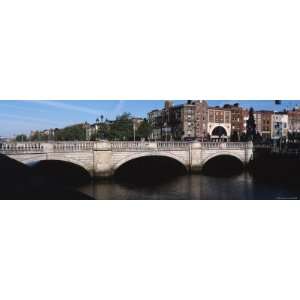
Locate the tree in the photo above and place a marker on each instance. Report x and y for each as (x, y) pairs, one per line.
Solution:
(21, 138)
(93, 137)
(243, 137)
(75, 132)
(258, 138)
(234, 136)
(144, 130)
(101, 117)
(103, 131)
(122, 128)
(251, 126)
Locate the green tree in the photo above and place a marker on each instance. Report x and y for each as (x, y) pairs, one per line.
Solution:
(144, 130)
(21, 138)
(93, 137)
(103, 132)
(122, 128)
(75, 132)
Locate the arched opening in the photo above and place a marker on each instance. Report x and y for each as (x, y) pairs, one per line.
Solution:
(62, 173)
(223, 165)
(219, 131)
(149, 170)
(30, 181)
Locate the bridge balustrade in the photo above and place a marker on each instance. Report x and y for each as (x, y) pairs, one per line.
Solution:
(21, 148)
(225, 145)
(172, 145)
(73, 146)
(30, 147)
(146, 146)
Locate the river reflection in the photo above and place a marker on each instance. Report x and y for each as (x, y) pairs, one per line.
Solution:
(195, 186)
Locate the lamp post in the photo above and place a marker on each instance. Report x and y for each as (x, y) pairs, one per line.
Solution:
(133, 123)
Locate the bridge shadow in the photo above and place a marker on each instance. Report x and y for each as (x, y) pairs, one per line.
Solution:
(149, 171)
(276, 169)
(223, 166)
(60, 172)
(19, 181)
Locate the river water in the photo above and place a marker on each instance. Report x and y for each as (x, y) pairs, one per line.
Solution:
(195, 186)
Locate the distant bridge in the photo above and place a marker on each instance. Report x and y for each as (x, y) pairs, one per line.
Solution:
(103, 158)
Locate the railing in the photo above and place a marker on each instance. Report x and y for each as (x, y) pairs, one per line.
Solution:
(29, 147)
(72, 146)
(146, 146)
(172, 145)
(116, 145)
(226, 145)
(21, 147)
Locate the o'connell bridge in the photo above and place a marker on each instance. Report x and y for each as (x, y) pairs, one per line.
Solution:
(103, 158)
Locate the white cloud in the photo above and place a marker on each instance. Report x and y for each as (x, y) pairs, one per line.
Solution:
(120, 106)
(63, 105)
(30, 119)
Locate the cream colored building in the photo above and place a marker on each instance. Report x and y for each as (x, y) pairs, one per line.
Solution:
(279, 125)
(219, 122)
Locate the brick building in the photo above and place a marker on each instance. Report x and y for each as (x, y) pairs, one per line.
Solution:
(263, 122)
(237, 118)
(294, 120)
(179, 122)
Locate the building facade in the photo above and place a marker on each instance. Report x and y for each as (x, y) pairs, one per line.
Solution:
(279, 125)
(266, 124)
(263, 122)
(219, 122)
(179, 122)
(294, 120)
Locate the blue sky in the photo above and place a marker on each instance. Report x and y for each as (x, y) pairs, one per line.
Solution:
(23, 116)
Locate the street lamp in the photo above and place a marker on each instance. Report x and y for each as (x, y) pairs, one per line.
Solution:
(133, 131)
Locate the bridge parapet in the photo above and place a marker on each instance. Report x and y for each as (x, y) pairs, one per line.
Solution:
(148, 146)
(72, 146)
(21, 148)
(115, 146)
(226, 145)
(45, 147)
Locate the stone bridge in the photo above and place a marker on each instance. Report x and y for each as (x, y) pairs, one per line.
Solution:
(103, 158)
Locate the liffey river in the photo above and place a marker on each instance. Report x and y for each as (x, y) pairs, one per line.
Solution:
(195, 186)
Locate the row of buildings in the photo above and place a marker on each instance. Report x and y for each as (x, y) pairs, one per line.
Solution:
(196, 120)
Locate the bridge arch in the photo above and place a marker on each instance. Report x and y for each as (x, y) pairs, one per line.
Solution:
(149, 154)
(223, 153)
(40, 158)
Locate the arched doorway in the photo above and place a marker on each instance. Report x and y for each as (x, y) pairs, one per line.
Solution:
(219, 131)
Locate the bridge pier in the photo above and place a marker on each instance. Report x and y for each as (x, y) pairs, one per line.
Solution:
(102, 160)
(195, 152)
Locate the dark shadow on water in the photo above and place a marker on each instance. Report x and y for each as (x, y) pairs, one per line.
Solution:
(276, 169)
(60, 173)
(149, 171)
(19, 181)
(223, 166)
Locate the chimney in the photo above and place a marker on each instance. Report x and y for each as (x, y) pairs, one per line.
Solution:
(168, 104)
